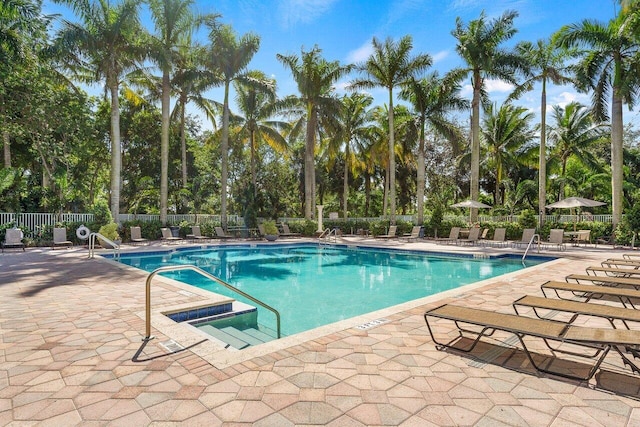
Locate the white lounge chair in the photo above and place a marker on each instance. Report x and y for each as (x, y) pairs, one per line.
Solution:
(391, 234)
(13, 239)
(60, 238)
(136, 235)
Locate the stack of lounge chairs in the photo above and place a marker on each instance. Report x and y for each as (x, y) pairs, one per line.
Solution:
(550, 319)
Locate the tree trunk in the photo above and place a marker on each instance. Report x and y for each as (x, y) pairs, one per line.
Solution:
(475, 143)
(616, 157)
(164, 148)
(254, 175)
(392, 164)
(542, 171)
(345, 181)
(367, 193)
(309, 164)
(6, 143)
(385, 196)
(421, 173)
(116, 157)
(224, 155)
(183, 141)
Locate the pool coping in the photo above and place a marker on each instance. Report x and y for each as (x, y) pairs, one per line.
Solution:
(183, 335)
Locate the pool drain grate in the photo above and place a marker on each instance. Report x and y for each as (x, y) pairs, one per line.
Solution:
(171, 346)
(372, 324)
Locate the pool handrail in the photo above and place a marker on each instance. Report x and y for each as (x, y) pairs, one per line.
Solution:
(205, 274)
(92, 244)
(529, 245)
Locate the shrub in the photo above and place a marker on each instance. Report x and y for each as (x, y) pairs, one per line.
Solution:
(270, 227)
(110, 231)
(527, 219)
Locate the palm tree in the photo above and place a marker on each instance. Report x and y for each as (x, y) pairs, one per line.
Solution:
(257, 103)
(507, 133)
(431, 98)
(315, 77)
(173, 21)
(573, 134)
(103, 48)
(479, 46)
(546, 63)
(389, 66)
(229, 58)
(189, 82)
(609, 67)
(352, 135)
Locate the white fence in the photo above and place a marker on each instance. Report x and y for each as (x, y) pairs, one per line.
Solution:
(35, 221)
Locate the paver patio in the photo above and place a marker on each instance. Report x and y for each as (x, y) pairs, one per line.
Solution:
(71, 354)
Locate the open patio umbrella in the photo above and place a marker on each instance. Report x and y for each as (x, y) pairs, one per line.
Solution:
(574, 202)
(470, 204)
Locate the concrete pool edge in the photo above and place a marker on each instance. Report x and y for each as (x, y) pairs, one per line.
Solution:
(214, 351)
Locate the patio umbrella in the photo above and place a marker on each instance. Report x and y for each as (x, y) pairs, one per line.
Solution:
(470, 204)
(574, 202)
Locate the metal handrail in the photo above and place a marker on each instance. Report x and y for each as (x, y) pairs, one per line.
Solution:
(328, 232)
(529, 245)
(205, 274)
(92, 244)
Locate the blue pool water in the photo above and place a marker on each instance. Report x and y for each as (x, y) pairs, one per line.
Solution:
(311, 285)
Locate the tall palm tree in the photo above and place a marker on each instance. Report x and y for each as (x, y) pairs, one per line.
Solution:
(352, 136)
(546, 63)
(315, 77)
(608, 67)
(431, 98)
(103, 48)
(479, 45)
(573, 134)
(189, 82)
(389, 66)
(229, 57)
(507, 133)
(257, 104)
(173, 20)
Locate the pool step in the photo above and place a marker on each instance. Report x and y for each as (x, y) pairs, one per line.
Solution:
(236, 338)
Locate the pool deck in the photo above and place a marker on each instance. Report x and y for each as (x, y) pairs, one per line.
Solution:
(71, 354)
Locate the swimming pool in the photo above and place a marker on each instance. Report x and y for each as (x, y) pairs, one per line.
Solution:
(312, 285)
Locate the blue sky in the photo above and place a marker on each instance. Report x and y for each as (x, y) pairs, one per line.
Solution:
(343, 29)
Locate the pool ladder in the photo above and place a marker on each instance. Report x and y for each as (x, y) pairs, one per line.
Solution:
(205, 274)
(326, 234)
(92, 245)
(529, 245)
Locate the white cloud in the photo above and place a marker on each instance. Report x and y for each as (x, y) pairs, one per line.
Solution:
(439, 56)
(565, 98)
(360, 54)
(293, 12)
(498, 86)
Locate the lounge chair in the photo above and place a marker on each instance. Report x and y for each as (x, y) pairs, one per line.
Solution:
(474, 235)
(499, 238)
(612, 272)
(588, 292)
(630, 256)
(220, 234)
(168, 236)
(60, 238)
(13, 239)
(604, 280)
(196, 234)
(601, 340)
(621, 263)
(391, 234)
(136, 235)
(583, 237)
(414, 235)
(286, 232)
(527, 235)
(556, 239)
(484, 234)
(577, 309)
(454, 235)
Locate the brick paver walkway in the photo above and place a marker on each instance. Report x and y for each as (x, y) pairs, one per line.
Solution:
(71, 354)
